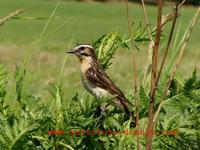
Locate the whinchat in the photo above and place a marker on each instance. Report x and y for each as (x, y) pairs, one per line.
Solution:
(95, 80)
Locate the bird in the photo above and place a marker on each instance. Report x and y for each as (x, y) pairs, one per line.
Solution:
(96, 81)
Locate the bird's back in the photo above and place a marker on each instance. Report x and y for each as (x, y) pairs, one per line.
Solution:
(100, 79)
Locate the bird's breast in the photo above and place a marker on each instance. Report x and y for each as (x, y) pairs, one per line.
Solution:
(93, 89)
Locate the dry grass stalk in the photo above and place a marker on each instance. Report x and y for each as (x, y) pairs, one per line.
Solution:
(165, 19)
(135, 73)
(168, 45)
(10, 16)
(153, 77)
(149, 50)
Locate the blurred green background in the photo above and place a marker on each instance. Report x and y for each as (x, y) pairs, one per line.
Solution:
(78, 22)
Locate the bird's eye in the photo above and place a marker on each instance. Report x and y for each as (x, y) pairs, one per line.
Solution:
(84, 54)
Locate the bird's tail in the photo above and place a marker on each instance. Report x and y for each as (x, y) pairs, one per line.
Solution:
(123, 104)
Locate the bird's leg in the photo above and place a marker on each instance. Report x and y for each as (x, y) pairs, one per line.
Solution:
(98, 111)
(100, 114)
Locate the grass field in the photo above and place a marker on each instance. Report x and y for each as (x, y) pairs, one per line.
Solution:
(80, 23)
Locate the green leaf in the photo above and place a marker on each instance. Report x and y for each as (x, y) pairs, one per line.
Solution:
(19, 76)
(189, 84)
(106, 47)
(3, 83)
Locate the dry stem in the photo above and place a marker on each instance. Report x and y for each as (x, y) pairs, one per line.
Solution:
(153, 77)
(135, 73)
(165, 19)
(149, 51)
(10, 16)
(167, 48)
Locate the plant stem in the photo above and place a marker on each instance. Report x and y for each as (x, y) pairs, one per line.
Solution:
(165, 19)
(147, 21)
(149, 51)
(10, 16)
(153, 77)
(167, 48)
(135, 73)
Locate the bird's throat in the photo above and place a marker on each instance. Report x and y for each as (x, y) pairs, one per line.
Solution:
(85, 65)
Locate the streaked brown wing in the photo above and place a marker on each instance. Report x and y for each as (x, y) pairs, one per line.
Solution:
(99, 78)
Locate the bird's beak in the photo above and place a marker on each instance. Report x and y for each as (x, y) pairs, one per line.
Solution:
(70, 52)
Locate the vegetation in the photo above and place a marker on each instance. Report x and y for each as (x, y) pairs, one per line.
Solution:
(193, 2)
(38, 112)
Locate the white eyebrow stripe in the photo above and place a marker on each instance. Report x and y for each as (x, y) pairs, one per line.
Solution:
(84, 45)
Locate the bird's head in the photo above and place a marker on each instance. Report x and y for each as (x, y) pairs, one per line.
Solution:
(84, 52)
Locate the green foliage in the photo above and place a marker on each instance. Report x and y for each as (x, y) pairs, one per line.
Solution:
(142, 34)
(144, 99)
(17, 134)
(180, 114)
(106, 47)
(68, 122)
(3, 83)
(191, 83)
(56, 92)
(19, 76)
(107, 44)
